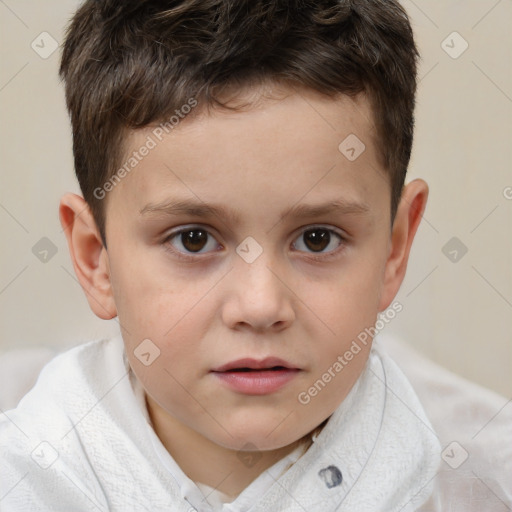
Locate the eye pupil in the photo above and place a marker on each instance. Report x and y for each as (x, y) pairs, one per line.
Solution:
(194, 240)
(317, 239)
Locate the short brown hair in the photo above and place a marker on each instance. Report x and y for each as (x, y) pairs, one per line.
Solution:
(130, 64)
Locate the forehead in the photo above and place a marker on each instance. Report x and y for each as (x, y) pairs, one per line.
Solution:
(284, 146)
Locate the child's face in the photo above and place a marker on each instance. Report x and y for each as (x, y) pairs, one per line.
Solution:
(303, 300)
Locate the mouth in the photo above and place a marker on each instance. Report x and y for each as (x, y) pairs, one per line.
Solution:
(274, 368)
(248, 364)
(256, 377)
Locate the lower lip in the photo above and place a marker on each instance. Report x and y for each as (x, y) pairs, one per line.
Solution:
(256, 382)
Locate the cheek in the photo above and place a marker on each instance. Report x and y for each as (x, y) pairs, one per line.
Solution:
(348, 308)
(147, 300)
(171, 370)
(341, 354)
(165, 311)
(349, 301)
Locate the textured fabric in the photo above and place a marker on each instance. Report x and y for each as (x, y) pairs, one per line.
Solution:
(474, 426)
(79, 441)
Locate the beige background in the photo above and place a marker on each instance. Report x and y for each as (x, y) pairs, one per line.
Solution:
(458, 313)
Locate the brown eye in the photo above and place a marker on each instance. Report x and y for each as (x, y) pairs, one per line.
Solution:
(317, 240)
(190, 241)
(194, 240)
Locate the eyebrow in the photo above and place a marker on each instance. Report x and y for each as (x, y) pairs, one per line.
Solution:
(194, 208)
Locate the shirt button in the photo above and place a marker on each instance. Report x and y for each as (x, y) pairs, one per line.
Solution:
(331, 476)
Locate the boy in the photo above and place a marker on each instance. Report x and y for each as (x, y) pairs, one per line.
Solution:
(245, 219)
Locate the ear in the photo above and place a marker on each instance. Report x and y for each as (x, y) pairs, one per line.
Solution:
(89, 256)
(407, 219)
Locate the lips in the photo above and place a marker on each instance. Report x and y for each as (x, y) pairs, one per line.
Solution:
(256, 377)
(248, 364)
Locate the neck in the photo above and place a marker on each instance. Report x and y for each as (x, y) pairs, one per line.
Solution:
(208, 463)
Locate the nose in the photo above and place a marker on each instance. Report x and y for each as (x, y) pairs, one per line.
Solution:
(258, 297)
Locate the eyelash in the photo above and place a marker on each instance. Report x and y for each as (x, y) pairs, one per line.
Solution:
(196, 256)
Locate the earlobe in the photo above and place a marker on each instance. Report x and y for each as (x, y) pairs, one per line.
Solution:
(89, 256)
(408, 217)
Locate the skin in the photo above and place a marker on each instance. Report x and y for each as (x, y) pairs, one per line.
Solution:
(292, 302)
